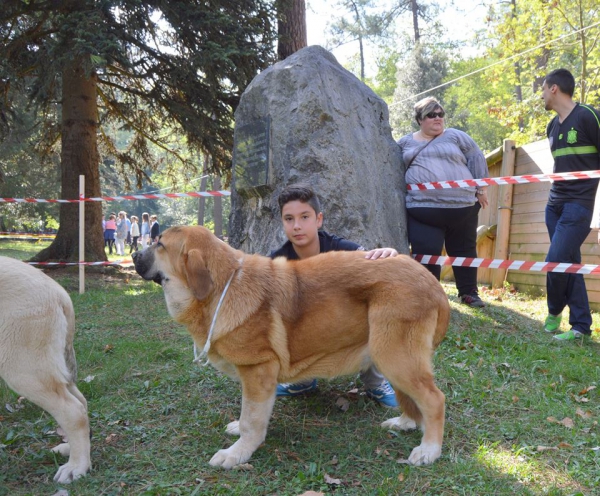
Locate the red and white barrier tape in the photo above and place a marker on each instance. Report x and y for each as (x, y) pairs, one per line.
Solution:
(527, 266)
(150, 196)
(484, 263)
(54, 264)
(487, 181)
(460, 183)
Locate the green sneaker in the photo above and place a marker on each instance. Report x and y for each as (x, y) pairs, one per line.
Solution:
(571, 335)
(552, 323)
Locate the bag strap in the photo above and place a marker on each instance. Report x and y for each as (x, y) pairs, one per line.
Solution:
(420, 150)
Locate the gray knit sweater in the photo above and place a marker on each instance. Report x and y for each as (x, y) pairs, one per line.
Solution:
(452, 155)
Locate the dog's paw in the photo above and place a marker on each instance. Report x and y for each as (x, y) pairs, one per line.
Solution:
(233, 428)
(229, 458)
(402, 423)
(69, 472)
(425, 454)
(63, 449)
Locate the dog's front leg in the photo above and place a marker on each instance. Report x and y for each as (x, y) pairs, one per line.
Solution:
(258, 397)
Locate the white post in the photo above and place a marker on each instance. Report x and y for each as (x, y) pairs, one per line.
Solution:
(81, 234)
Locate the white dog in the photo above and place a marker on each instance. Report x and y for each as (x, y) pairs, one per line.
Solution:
(37, 360)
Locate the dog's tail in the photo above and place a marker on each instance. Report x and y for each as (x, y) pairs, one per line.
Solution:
(443, 320)
(70, 360)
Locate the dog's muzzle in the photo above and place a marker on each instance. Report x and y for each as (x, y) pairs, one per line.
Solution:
(143, 264)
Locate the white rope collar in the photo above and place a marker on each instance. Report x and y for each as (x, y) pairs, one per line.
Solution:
(199, 356)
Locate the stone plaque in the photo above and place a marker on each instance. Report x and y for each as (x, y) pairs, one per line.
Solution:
(251, 155)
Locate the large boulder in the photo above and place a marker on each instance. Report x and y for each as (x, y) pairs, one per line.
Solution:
(330, 130)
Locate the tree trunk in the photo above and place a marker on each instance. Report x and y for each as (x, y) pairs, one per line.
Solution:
(79, 156)
(202, 199)
(415, 16)
(291, 27)
(218, 208)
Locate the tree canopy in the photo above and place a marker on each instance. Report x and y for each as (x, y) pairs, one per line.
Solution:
(153, 68)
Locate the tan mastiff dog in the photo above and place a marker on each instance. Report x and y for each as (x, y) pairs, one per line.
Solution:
(265, 321)
(37, 359)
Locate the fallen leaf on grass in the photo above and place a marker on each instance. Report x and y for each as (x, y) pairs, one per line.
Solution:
(565, 445)
(244, 467)
(581, 399)
(342, 403)
(547, 448)
(583, 414)
(89, 378)
(108, 348)
(586, 390)
(331, 480)
(567, 422)
(401, 477)
(312, 493)
(111, 439)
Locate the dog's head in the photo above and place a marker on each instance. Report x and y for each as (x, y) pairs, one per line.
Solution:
(179, 261)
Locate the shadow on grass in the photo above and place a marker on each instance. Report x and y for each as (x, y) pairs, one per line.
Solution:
(157, 418)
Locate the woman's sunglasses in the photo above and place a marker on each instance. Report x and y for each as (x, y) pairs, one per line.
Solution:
(433, 115)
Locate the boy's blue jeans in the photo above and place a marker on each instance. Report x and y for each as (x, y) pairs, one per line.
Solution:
(568, 225)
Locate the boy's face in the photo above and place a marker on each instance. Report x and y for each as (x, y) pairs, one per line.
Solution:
(301, 223)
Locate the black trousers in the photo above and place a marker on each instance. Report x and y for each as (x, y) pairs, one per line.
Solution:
(430, 228)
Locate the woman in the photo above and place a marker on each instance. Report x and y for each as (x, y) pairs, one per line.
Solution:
(109, 233)
(145, 231)
(444, 216)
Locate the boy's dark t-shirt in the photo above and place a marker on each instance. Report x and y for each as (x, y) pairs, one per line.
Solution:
(327, 242)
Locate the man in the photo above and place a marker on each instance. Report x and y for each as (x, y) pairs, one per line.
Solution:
(574, 136)
(302, 220)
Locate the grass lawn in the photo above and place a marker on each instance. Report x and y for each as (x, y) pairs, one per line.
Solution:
(522, 411)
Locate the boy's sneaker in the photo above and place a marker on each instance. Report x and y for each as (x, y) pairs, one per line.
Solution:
(384, 394)
(571, 335)
(472, 299)
(296, 389)
(552, 323)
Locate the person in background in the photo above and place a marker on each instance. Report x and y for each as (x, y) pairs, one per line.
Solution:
(574, 136)
(135, 234)
(110, 228)
(128, 230)
(121, 233)
(145, 230)
(154, 229)
(444, 216)
(302, 218)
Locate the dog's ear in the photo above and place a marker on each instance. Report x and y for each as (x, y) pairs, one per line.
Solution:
(198, 276)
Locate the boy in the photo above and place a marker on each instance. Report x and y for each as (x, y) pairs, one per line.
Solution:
(302, 218)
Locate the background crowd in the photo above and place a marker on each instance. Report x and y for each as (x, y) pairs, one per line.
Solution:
(120, 231)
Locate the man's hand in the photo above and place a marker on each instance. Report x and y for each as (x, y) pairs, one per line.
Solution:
(380, 253)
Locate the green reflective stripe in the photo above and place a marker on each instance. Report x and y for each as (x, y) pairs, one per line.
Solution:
(592, 111)
(574, 150)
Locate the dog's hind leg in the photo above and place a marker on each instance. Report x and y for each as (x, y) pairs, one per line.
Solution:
(258, 397)
(53, 395)
(65, 449)
(406, 363)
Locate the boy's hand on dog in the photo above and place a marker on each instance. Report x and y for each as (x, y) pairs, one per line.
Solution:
(380, 253)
